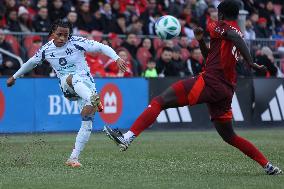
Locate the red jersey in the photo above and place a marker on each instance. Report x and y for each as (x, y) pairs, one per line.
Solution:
(222, 55)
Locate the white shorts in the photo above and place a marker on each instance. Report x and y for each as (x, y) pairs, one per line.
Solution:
(71, 95)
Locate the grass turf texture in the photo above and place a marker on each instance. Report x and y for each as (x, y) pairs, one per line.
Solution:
(155, 160)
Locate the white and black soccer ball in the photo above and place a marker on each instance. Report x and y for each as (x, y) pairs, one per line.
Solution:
(167, 27)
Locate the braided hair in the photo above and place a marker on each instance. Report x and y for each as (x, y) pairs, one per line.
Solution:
(63, 24)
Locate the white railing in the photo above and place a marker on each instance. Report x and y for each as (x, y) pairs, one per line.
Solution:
(12, 55)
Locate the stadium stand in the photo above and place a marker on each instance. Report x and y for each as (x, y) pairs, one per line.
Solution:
(265, 19)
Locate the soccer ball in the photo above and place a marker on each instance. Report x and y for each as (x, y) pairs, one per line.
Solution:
(167, 27)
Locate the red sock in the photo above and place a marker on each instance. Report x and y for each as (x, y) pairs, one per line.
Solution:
(147, 118)
(249, 149)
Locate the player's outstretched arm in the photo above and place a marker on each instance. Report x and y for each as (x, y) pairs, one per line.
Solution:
(242, 47)
(198, 33)
(94, 46)
(28, 66)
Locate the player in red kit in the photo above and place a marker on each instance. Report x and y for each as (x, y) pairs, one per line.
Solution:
(215, 86)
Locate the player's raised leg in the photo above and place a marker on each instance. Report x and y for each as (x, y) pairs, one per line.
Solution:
(175, 96)
(80, 87)
(225, 130)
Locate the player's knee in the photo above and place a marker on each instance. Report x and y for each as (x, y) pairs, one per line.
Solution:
(69, 81)
(157, 102)
(74, 80)
(87, 113)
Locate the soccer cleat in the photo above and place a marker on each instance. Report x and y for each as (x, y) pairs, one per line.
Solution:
(73, 162)
(272, 170)
(117, 137)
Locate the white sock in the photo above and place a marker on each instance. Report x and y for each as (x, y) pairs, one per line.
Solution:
(82, 138)
(129, 136)
(82, 90)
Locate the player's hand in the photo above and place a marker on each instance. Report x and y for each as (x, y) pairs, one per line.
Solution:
(121, 64)
(198, 33)
(257, 67)
(11, 81)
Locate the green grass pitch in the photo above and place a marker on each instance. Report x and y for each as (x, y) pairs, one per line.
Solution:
(183, 159)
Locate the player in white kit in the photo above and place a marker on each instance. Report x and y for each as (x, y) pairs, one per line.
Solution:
(65, 53)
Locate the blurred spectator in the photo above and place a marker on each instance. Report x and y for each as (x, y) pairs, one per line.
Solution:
(149, 16)
(148, 44)
(261, 30)
(135, 27)
(27, 5)
(130, 11)
(41, 3)
(44, 69)
(113, 70)
(203, 20)
(251, 5)
(119, 27)
(254, 17)
(98, 22)
(72, 17)
(96, 65)
(195, 63)
(24, 20)
(56, 10)
(185, 28)
(268, 13)
(249, 32)
(8, 66)
(145, 52)
(175, 8)
(179, 63)
(151, 70)
(85, 17)
(41, 22)
(149, 27)
(200, 7)
(34, 46)
(130, 44)
(13, 22)
(266, 58)
(108, 17)
(165, 65)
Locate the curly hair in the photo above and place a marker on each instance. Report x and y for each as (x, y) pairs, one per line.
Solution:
(61, 23)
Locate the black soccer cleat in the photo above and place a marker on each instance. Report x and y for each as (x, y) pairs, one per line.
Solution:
(272, 170)
(117, 137)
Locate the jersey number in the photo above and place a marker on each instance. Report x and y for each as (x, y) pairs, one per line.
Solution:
(235, 53)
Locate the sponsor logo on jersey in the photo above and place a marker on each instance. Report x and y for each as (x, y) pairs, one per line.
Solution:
(111, 98)
(2, 104)
(275, 111)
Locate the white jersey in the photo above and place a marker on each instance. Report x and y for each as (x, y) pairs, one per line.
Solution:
(68, 59)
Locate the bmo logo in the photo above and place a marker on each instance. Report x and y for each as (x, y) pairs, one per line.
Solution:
(2, 105)
(112, 100)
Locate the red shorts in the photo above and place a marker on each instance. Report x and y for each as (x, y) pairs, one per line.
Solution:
(216, 94)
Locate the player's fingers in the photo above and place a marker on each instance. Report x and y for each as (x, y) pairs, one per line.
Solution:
(122, 66)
